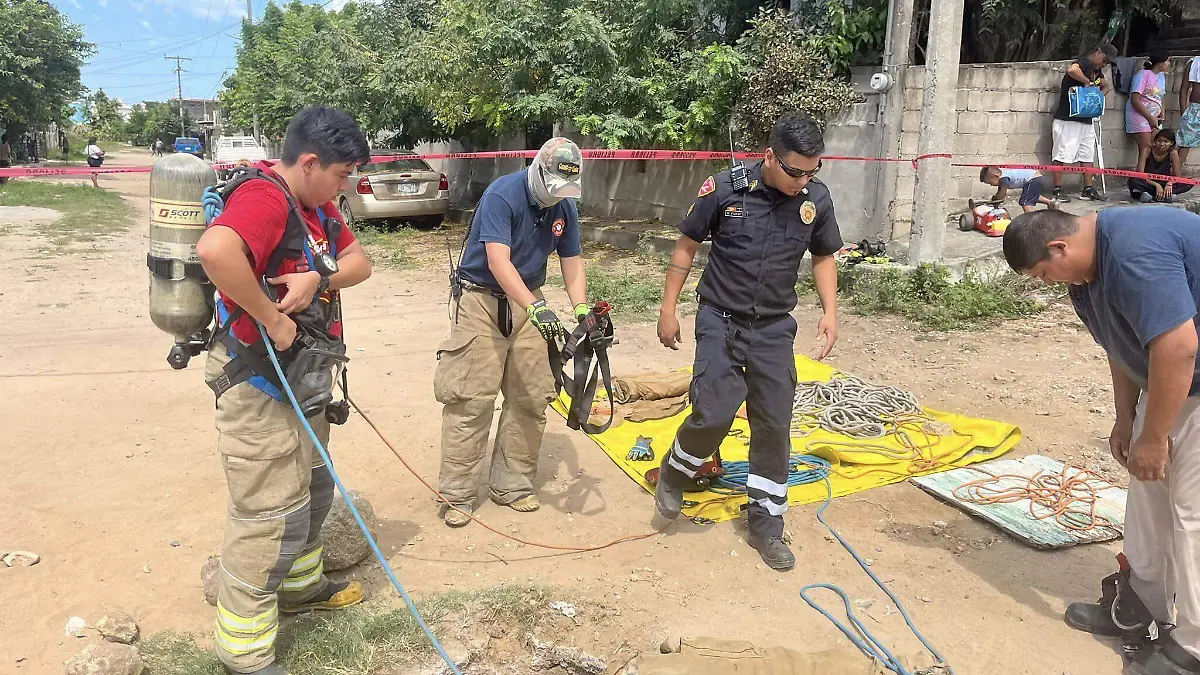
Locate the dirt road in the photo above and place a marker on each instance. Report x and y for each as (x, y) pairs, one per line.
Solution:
(110, 458)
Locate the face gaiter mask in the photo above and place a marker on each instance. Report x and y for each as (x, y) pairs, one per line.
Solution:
(537, 186)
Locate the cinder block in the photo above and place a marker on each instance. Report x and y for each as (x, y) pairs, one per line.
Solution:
(1001, 123)
(909, 142)
(1028, 79)
(1000, 77)
(1026, 144)
(913, 98)
(983, 145)
(973, 76)
(989, 101)
(1024, 101)
(1048, 101)
(906, 185)
(968, 187)
(1033, 122)
(911, 121)
(972, 123)
(962, 99)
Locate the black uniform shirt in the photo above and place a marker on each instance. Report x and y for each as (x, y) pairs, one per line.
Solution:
(759, 236)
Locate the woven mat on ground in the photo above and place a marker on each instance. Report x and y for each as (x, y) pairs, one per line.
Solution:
(854, 467)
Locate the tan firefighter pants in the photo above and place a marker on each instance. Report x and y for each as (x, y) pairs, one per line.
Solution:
(474, 364)
(279, 494)
(1162, 531)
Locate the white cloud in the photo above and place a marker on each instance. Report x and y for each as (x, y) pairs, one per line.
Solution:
(138, 6)
(145, 24)
(102, 3)
(76, 4)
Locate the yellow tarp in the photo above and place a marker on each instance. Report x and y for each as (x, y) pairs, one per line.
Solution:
(855, 468)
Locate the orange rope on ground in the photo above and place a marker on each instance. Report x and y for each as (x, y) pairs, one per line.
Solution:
(489, 528)
(1070, 498)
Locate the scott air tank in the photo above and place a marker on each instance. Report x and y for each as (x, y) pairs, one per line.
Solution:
(181, 301)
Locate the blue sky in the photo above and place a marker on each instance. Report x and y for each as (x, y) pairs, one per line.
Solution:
(133, 35)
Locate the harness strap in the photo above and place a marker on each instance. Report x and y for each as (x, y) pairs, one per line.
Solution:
(587, 343)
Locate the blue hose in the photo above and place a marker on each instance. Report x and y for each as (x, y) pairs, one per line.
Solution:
(862, 638)
(353, 509)
(802, 470)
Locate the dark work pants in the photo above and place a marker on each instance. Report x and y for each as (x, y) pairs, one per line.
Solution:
(736, 361)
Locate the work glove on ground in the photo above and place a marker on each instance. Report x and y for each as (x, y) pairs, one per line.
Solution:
(545, 320)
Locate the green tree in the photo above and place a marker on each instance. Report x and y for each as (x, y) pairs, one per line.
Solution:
(104, 116)
(41, 54)
(790, 72)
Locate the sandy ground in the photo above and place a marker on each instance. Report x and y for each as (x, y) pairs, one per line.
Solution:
(110, 457)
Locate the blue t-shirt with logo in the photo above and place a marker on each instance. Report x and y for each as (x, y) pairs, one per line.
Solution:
(1147, 283)
(1016, 178)
(508, 214)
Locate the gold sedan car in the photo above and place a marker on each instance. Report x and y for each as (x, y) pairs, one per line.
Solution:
(401, 189)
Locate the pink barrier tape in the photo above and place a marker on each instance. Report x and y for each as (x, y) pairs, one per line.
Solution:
(601, 154)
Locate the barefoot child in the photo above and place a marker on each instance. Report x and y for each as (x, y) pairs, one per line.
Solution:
(1029, 180)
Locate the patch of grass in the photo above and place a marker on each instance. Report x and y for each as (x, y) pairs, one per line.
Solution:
(387, 247)
(926, 296)
(634, 292)
(366, 640)
(89, 214)
(177, 654)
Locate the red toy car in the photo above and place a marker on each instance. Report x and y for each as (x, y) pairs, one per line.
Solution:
(986, 216)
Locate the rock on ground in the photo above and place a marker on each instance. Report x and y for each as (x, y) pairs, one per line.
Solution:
(345, 546)
(106, 658)
(547, 655)
(117, 626)
(208, 577)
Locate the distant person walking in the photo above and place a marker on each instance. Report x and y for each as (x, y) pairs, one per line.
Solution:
(95, 158)
(65, 144)
(1144, 114)
(5, 156)
(157, 148)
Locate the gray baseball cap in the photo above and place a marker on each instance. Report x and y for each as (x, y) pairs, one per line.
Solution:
(561, 164)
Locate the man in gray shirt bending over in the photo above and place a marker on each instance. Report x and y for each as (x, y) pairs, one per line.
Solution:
(1135, 284)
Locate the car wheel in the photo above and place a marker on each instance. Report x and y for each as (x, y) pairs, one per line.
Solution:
(433, 221)
(347, 214)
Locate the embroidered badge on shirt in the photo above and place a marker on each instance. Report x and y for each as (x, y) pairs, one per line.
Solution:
(808, 212)
(558, 227)
(734, 211)
(708, 187)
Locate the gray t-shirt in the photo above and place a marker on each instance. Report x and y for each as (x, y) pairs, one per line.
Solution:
(1147, 283)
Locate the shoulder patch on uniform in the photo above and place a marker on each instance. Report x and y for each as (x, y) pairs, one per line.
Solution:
(708, 187)
(558, 227)
(808, 212)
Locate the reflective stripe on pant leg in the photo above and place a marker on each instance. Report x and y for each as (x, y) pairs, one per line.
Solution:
(305, 572)
(528, 387)
(240, 636)
(268, 476)
(771, 386)
(717, 391)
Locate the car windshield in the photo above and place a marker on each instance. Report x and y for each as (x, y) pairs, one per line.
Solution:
(414, 164)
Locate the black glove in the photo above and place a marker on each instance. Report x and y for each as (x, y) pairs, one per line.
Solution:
(545, 320)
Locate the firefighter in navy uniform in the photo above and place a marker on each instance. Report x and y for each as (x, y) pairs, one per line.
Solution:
(760, 230)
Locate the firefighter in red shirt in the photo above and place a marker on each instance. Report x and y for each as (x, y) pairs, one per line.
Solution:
(277, 225)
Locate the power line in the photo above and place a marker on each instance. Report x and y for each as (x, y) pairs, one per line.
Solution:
(179, 45)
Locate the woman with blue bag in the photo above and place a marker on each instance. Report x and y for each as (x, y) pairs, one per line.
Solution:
(1144, 114)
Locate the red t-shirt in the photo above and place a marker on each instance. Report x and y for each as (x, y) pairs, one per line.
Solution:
(258, 212)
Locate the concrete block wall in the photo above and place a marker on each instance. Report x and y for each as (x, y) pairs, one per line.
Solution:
(663, 190)
(1004, 115)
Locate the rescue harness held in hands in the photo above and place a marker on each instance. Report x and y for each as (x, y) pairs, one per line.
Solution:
(587, 343)
(316, 358)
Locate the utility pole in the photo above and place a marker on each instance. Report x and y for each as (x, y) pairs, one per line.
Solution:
(250, 18)
(179, 79)
(938, 124)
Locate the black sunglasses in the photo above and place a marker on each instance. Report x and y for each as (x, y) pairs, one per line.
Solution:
(794, 172)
